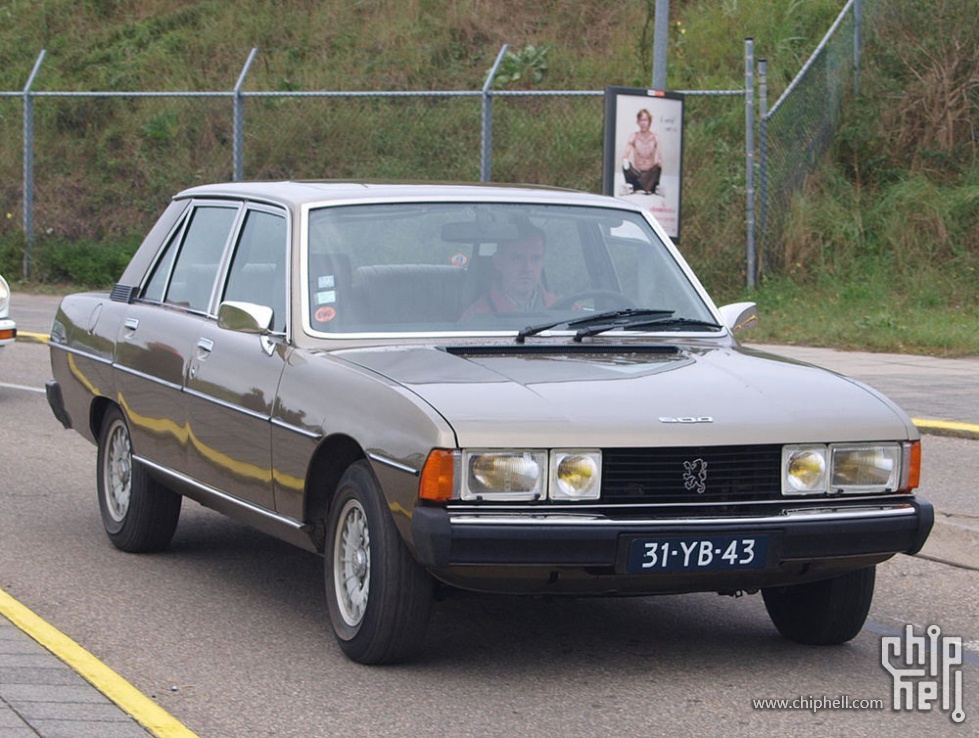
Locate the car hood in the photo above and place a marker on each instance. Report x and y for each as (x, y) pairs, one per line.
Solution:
(603, 396)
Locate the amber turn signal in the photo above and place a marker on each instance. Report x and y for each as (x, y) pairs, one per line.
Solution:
(437, 482)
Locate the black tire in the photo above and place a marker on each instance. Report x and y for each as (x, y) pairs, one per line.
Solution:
(824, 613)
(139, 514)
(378, 596)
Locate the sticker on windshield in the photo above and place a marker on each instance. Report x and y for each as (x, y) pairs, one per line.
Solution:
(325, 314)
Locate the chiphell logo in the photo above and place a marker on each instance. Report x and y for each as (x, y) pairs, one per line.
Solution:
(927, 670)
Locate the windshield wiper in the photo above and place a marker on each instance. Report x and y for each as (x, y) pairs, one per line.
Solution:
(610, 317)
(664, 322)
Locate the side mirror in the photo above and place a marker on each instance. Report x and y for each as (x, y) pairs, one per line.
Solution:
(245, 317)
(739, 316)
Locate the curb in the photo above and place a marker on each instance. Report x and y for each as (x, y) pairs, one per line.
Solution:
(950, 542)
(947, 428)
(28, 337)
(124, 695)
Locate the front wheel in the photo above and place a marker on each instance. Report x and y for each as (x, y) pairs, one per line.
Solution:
(378, 596)
(823, 613)
(139, 514)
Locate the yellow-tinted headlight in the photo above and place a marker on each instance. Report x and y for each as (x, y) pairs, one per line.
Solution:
(804, 470)
(576, 475)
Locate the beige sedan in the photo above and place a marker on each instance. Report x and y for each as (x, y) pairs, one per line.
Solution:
(502, 389)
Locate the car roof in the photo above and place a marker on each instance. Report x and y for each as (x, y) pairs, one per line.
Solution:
(299, 192)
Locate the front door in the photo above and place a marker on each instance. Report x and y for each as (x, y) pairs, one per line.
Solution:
(234, 376)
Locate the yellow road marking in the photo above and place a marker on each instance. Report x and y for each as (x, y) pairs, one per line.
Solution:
(29, 337)
(947, 428)
(146, 712)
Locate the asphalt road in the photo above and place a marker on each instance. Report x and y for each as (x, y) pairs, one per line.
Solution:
(228, 630)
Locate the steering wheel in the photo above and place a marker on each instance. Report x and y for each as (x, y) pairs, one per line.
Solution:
(606, 299)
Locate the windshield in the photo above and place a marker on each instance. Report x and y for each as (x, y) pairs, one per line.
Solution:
(474, 267)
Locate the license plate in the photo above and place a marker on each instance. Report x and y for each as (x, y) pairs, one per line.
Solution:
(716, 553)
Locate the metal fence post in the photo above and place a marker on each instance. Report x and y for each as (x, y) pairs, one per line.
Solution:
(857, 42)
(763, 142)
(486, 144)
(661, 42)
(238, 144)
(29, 166)
(749, 145)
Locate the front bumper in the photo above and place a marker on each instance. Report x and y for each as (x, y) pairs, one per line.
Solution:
(462, 546)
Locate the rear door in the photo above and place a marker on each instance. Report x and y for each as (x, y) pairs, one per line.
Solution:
(161, 328)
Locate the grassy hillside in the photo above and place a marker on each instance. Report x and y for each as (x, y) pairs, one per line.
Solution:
(882, 247)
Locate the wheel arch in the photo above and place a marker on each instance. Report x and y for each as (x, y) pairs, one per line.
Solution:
(96, 413)
(329, 462)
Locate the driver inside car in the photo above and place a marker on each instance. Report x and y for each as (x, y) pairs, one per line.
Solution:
(516, 286)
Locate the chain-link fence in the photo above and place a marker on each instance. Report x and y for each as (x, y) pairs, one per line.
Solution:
(80, 184)
(799, 128)
(74, 190)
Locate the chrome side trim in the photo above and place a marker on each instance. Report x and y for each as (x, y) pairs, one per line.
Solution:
(228, 405)
(393, 464)
(216, 494)
(601, 521)
(79, 352)
(147, 377)
(295, 429)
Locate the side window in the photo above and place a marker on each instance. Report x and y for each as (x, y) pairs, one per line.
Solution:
(258, 269)
(197, 264)
(157, 285)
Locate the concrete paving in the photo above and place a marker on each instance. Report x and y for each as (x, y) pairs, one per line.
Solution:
(43, 695)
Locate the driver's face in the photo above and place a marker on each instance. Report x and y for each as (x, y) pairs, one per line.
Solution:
(520, 264)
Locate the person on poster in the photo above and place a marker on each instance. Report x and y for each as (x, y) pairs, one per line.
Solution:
(642, 161)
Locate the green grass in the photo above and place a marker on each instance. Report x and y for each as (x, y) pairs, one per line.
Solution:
(864, 313)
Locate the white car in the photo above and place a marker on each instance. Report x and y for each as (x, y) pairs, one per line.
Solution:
(8, 328)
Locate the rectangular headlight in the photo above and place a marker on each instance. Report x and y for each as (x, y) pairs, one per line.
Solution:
(862, 468)
(519, 474)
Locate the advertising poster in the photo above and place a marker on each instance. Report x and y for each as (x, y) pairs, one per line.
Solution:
(644, 151)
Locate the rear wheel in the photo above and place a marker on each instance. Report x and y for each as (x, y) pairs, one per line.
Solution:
(139, 514)
(824, 613)
(378, 596)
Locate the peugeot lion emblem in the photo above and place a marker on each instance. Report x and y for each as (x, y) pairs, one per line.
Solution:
(695, 475)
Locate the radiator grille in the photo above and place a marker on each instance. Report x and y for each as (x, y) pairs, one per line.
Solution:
(691, 474)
